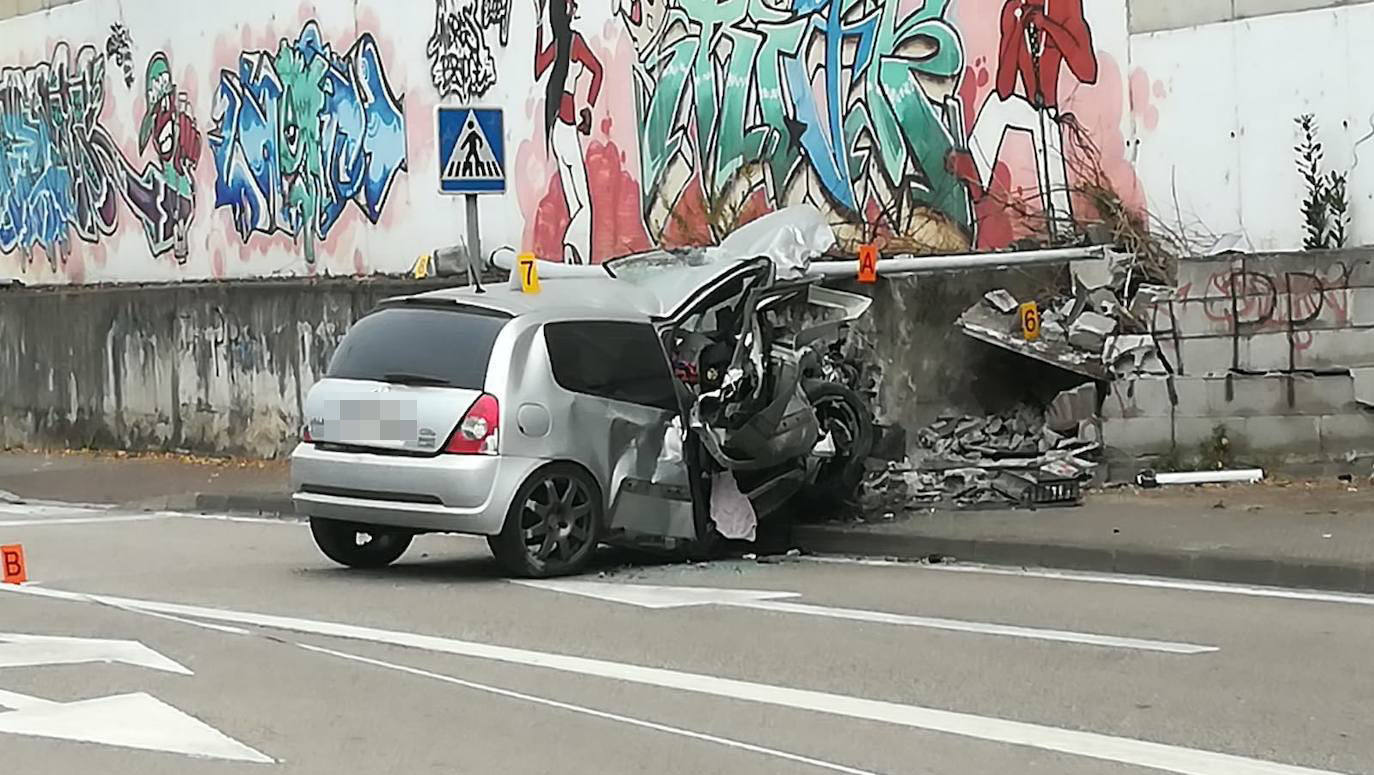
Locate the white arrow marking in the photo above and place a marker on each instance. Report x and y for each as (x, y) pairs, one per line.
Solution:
(29, 650)
(1125, 750)
(676, 597)
(124, 720)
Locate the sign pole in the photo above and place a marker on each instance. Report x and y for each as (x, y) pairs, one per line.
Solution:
(474, 245)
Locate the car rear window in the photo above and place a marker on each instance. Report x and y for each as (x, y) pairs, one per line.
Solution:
(419, 345)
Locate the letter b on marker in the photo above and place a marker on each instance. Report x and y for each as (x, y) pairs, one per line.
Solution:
(12, 560)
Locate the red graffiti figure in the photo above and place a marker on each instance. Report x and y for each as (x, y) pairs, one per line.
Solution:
(1038, 38)
(564, 59)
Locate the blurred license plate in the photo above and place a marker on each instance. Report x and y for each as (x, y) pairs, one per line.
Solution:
(373, 421)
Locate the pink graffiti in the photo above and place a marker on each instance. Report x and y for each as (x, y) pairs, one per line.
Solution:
(616, 225)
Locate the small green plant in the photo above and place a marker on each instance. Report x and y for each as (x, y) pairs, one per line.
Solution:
(1171, 461)
(1326, 208)
(1217, 451)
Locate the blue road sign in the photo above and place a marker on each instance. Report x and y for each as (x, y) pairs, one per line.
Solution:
(472, 150)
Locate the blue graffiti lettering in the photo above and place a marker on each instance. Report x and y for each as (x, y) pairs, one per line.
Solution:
(301, 133)
(57, 164)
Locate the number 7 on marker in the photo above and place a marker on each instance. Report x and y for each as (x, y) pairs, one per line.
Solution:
(529, 273)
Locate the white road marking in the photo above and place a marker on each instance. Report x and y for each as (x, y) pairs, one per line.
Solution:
(18, 650)
(127, 721)
(660, 597)
(50, 521)
(293, 521)
(1169, 758)
(593, 712)
(179, 620)
(650, 596)
(1156, 582)
(31, 508)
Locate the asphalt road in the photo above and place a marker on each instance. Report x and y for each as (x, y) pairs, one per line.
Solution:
(440, 665)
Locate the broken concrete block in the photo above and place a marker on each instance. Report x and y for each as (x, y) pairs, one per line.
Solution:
(1088, 430)
(1104, 301)
(1364, 386)
(1146, 297)
(1090, 331)
(1049, 439)
(1002, 301)
(1092, 273)
(968, 425)
(1072, 407)
(1127, 354)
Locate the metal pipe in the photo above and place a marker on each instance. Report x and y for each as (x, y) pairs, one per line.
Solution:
(902, 265)
(1246, 475)
(505, 258)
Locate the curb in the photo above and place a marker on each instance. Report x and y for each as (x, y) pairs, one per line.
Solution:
(1179, 564)
(274, 505)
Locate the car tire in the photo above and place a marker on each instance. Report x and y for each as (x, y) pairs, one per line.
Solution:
(339, 542)
(553, 525)
(838, 480)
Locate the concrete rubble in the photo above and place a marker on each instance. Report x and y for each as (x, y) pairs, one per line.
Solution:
(1102, 330)
(1010, 459)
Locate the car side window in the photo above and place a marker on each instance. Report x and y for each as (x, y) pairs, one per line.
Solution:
(619, 361)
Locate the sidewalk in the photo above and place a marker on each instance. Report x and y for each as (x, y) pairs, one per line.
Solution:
(1318, 535)
(153, 482)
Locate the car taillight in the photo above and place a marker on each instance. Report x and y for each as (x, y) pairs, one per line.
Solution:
(305, 435)
(479, 430)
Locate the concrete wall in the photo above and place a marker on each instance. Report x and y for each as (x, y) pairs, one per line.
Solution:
(12, 8)
(164, 141)
(221, 368)
(208, 367)
(1156, 15)
(1269, 347)
(1214, 107)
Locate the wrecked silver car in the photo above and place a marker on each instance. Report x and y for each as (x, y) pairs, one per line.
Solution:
(668, 399)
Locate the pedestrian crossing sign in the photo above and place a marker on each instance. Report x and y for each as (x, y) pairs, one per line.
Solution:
(472, 150)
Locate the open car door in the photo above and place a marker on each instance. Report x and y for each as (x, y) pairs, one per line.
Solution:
(741, 396)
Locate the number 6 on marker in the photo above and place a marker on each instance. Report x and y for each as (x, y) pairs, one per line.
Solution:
(1030, 321)
(529, 273)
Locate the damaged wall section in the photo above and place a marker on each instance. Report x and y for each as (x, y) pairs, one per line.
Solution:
(928, 368)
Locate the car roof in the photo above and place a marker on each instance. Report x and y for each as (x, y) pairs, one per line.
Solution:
(576, 297)
(658, 294)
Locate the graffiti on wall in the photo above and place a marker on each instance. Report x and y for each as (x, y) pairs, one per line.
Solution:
(1243, 302)
(850, 105)
(301, 133)
(560, 62)
(57, 169)
(61, 173)
(1037, 40)
(119, 48)
(163, 196)
(461, 63)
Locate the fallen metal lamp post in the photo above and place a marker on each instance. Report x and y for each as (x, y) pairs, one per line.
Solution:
(505, 258)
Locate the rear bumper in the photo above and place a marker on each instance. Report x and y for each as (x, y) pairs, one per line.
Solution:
(446, 493)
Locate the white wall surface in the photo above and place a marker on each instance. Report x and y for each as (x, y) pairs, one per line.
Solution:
(1219, 152)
